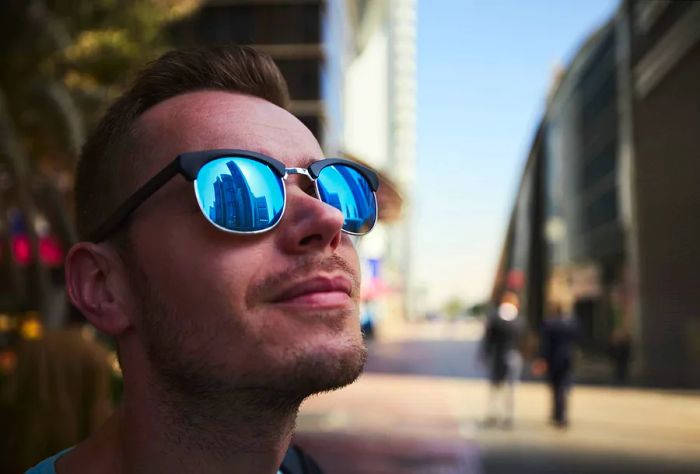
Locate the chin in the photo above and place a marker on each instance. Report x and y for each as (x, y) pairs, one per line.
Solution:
(322, 366)
(292, 357)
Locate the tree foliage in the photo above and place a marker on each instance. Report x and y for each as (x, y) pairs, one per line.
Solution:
(62, 61)
(453, 308)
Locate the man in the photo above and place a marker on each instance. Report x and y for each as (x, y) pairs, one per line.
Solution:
(558, 338)
(499, 348)
(229, 304)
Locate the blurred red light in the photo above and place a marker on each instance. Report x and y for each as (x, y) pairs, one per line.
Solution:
(515, 279)
(21, 249)
(50, 251)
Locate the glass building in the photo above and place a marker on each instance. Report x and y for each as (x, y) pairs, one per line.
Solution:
(606, 209)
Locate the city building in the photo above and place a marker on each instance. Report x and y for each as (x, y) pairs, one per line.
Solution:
(604, 222)
(379, 106)
(661, 199)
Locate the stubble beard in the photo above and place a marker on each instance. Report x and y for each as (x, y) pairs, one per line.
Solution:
(212, 387)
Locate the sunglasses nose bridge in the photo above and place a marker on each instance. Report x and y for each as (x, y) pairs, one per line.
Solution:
(302, 171)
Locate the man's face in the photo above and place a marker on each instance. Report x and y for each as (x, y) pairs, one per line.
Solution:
(277, 310)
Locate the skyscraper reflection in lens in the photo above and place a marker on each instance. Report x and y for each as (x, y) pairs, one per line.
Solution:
(346, 190)
(235, 205)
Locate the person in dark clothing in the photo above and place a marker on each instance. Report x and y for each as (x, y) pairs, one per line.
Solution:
(558, 340)
(296, 461)
(499, 350)
(620, 351)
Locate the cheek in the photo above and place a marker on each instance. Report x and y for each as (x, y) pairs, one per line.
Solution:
(201, 271)
(348, 253)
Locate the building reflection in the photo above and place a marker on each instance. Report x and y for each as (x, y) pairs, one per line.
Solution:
(348, 181)
(235, 206)
(362, 195)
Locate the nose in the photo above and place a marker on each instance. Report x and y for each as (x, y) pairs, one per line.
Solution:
(309, 225)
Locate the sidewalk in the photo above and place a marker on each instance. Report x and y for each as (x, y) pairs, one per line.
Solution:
(430, 424)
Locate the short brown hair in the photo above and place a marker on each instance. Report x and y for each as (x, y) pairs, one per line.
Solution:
(101, 167)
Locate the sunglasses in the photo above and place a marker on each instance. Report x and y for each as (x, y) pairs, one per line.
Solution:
(243, 192)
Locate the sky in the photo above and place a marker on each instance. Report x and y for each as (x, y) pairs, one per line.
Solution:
(484, 70)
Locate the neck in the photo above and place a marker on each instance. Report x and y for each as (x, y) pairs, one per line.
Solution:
(158, 429)
(243, 431)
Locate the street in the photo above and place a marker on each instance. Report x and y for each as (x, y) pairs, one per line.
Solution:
(418, 407)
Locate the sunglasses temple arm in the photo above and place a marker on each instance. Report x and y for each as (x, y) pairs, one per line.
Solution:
(135, 200)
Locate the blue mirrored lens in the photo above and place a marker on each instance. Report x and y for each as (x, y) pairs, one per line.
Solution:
(240, 194)
(347, 190)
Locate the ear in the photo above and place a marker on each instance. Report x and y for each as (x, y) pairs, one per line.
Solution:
(97, 284)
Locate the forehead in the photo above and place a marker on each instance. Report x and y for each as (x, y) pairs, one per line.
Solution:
(209, 120)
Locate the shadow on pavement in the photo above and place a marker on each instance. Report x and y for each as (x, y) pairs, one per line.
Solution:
(345, 453)
(507, 460)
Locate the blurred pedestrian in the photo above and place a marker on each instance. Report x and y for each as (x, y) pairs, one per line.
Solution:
(620, 344)
(499, 349)
(557, 345)
(620, 351)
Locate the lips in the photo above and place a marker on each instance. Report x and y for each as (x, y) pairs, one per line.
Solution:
(318, 291)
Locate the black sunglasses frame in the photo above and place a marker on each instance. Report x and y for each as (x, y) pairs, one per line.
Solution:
(188, 165)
